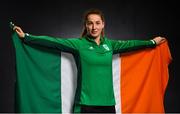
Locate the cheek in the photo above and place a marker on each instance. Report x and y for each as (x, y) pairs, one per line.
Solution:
(88, 28)
(100, 27)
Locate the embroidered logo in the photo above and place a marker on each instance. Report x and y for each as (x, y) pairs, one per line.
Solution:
(106, 47)
(91, 48)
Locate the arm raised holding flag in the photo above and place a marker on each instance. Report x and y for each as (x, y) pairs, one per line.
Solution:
(67, 45)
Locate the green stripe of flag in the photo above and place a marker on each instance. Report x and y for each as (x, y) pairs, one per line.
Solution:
(38, 78)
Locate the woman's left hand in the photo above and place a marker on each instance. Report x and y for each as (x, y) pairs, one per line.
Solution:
(159, 40)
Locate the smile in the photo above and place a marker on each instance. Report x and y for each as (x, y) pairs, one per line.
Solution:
(94, 32)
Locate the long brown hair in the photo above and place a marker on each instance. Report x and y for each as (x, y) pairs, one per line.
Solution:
(85, 17)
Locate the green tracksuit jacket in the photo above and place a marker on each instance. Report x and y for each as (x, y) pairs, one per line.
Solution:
(94, 64)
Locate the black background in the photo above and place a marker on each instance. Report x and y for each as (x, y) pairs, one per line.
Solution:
(125, 19)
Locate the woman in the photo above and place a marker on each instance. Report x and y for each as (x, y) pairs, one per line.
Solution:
(93, 54)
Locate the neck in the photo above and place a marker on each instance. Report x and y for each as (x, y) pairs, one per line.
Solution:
(97, 40)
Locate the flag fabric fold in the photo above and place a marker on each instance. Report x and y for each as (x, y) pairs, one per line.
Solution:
(144, 77)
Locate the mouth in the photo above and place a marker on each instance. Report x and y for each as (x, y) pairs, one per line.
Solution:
(94, 32)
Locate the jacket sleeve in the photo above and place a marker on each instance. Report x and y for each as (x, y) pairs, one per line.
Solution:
(120, 46)
(67, 45)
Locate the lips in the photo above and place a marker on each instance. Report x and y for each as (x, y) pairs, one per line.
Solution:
(94, 32)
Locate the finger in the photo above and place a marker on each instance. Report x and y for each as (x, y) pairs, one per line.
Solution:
(17, 30)
(14, 28)
(163, 40)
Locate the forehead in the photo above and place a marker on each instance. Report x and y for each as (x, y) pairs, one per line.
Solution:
(94, 17)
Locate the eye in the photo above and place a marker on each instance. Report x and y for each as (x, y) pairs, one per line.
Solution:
(89, 23)
(98, 22)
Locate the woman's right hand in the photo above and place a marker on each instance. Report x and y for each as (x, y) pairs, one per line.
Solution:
(19, 31)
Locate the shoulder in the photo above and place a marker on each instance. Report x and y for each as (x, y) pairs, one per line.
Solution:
(107, 39)
(74, 39)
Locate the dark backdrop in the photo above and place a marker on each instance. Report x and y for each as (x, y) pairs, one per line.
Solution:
(124, 20)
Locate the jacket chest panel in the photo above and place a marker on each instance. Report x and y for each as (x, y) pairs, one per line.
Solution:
(94, 54)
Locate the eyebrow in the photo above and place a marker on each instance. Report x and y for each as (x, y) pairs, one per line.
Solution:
(95, 21)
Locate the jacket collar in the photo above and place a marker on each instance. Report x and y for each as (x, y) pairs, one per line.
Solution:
(91, 39)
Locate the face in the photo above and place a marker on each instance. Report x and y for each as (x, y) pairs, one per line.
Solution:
(94, 25)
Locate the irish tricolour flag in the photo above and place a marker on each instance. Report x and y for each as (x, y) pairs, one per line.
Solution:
(46, 79)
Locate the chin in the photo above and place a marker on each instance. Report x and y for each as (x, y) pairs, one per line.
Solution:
(94, 35)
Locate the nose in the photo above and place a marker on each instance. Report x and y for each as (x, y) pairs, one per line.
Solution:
(94, 26)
